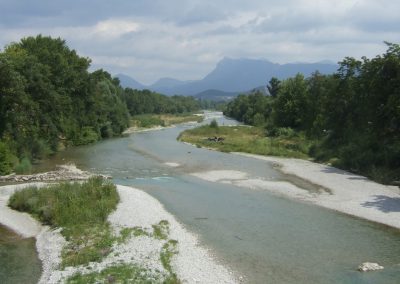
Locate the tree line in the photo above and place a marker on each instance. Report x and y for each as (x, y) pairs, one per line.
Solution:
(49, 100)
(352, 116)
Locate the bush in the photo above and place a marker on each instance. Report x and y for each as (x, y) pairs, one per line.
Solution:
(148, 120)
(282, 131)
(24, 167)
(70, 204)
(214, 124)
(40, 149)
(87, 136)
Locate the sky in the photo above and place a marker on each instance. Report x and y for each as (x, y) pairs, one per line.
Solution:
(185, 39)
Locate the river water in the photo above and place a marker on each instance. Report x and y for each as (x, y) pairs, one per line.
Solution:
(265, 238)
(18, 259)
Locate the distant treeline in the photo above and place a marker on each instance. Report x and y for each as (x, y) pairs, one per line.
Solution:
(49, 100)
(352, 116)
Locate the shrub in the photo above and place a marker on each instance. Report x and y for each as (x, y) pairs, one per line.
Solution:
(282, 131)
(87, 136)
(214, 124)
(24, 167)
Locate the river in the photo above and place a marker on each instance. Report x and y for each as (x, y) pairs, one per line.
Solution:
(265, 238)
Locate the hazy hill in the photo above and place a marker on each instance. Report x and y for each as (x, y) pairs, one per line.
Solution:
(237, 75)
(129, 82)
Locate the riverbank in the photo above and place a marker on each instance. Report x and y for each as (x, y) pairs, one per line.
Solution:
(338, 190)
(149, 122)
(137, 212)
(63, 173)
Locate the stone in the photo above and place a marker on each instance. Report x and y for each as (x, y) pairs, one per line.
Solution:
(369, 266)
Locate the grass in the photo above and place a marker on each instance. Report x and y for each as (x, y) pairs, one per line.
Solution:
(161, 230)
(119, 274)
(80, 209)
(247, 139)
(152, 120)
(168, 250)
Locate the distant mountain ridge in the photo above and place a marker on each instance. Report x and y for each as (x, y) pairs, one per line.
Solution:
(129, 82)
(233, 76)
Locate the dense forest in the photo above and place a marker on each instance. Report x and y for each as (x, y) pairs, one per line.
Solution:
(352, 117)
(49, 100)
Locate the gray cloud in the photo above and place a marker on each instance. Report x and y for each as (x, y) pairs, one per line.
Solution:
(186, 38)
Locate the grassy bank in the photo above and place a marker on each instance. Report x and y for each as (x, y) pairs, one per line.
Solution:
(247, 139)
(80, 209)
(286, 142)
(152, 120)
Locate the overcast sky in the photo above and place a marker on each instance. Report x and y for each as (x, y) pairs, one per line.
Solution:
(184, 39)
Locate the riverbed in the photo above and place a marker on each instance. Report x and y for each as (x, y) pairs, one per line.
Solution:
(265, 237)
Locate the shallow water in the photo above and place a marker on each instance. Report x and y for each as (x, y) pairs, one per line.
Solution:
(18, 259)
(265, 238)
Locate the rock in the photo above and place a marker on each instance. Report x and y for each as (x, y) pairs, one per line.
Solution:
(369, 266)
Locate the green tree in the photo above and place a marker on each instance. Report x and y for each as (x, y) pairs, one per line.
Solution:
(273, 87)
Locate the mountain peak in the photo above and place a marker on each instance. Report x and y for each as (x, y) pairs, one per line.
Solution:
(128, 82)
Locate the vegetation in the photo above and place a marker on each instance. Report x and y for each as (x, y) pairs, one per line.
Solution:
(247, 139)
(350, 118)
(80, 209)
(48, 100)
(145, 102)
(151, 120)
(123, 273)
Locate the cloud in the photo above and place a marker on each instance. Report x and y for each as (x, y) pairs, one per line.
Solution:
(186, 38)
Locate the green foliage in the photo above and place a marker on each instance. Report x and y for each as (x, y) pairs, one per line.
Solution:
(253, 109)
(6, 164)
(290, 106)
(24, 167)
(145, 102)
(274, 86)
(81, 209)
(168, 250)
(70, 204)
(49, 97)
(161, 230)
(214, 124)
(123, 273)
(147, 120)
(86, 136)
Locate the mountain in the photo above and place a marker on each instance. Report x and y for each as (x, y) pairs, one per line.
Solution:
(237, 76)
(245, 74)
(129, 82)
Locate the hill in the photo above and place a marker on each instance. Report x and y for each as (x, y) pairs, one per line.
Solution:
(235, 76)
